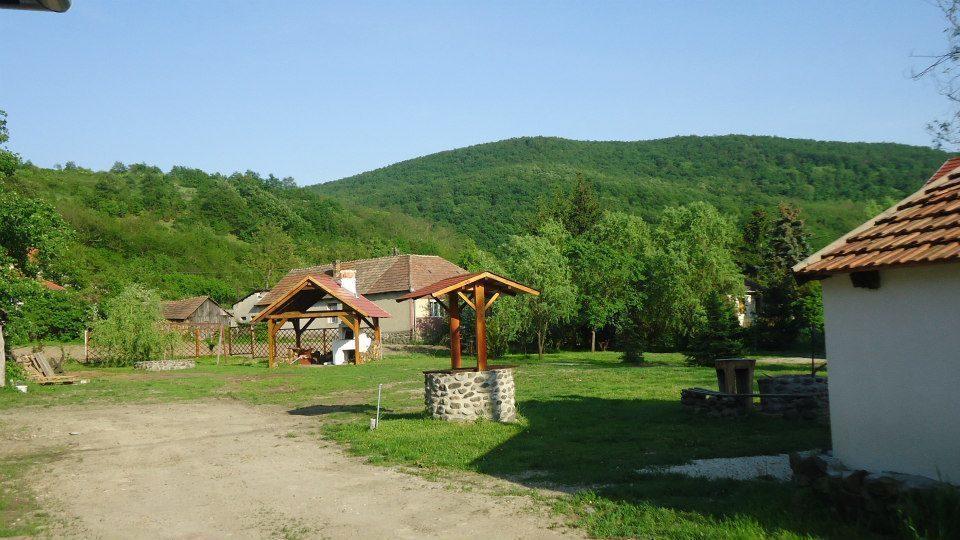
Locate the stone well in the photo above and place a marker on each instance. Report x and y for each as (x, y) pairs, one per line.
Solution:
(467, 394)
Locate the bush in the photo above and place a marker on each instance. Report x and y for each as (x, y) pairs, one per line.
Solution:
(134, 329)
(720, 336)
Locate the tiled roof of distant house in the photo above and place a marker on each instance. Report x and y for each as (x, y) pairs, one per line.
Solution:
(383, 274)
(180, 310)
(923, 228)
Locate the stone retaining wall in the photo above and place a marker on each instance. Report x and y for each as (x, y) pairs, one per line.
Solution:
(165, 365)
(466, 395)
(813, 400)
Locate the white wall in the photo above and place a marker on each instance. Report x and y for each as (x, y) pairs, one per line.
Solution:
(894, 371)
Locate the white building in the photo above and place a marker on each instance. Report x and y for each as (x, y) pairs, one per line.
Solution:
(891, 297)
(243, 311)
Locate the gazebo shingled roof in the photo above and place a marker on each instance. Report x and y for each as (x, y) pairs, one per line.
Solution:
(459, 287)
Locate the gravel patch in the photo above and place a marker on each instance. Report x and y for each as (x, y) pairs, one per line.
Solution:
(739, 468)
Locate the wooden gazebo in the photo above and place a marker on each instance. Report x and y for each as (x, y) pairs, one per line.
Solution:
(478, 290)
(295, 306)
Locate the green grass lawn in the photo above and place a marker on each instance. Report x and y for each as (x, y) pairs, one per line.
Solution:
(588, 422)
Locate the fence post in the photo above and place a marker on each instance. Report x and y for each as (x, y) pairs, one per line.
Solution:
(86, 345)
(229, 340)
(196, 343)
(252, 343)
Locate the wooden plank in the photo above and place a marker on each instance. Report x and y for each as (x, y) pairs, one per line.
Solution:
(271, 343)
(466, 299)
(456, 360)
(43, 365)
(492, 300)
(357, 357)
(376, 335)
(479, 298)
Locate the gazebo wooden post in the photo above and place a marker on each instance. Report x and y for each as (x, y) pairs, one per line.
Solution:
(271, 343)
(377, 337)
(297, 332)
(453, 307)
(357, 357)
(480, 301)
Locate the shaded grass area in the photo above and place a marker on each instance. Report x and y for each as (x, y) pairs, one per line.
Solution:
(588, 423)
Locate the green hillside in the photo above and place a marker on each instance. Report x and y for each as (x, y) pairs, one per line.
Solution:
(186, 232)
(489, 191)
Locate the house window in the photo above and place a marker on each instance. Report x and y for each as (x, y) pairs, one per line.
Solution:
(435, 309)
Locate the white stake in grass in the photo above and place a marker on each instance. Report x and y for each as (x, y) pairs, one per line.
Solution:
(374, 422)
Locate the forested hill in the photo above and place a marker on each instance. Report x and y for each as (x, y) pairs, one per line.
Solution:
(185, 232)
(489, 191)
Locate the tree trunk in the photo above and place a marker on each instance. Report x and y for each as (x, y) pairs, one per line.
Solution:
(3, 359)
(593, 340)
(541, 338)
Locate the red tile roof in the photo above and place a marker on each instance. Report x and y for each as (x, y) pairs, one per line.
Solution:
(453, 283)
(358, 302)
(380, 275)
(924, 228)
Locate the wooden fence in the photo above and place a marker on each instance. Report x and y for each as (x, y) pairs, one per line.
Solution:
(246, 340)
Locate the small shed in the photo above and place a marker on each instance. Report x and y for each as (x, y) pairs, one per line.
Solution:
(198, 310)
(891, 291)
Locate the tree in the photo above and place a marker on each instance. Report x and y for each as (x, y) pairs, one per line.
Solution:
(9, 161)
(33, 235)
(272, 252)
(609, 260)
(134, 329)
(786, 307)
(719, 337)
(754, 253)
(540, 263)
(942, 67)
(693, 260)
(577, 210)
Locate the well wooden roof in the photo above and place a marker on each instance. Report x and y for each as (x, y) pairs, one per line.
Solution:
(178, 310)
(924, 228)
(461, 281)
(379, 275)
(357, 303)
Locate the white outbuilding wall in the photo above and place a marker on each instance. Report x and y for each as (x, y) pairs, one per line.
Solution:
(894, 371)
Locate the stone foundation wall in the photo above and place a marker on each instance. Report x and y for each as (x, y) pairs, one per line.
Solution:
(165, 365)
(872, 498)
(466, 395)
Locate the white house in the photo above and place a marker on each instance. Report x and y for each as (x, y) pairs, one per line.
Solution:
(891, 298)
(243, 311)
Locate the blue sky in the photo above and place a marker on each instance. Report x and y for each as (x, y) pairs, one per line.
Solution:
(319, 90)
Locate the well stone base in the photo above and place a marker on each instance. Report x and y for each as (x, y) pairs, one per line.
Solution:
(466, 395)
(165, 365)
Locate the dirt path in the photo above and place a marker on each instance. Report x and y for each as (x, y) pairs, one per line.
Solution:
(222, 469)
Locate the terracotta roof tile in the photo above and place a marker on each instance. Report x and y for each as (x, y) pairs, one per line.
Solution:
(358, 302)
(923, 228)
(380, 275)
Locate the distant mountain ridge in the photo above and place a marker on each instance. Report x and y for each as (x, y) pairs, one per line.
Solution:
(488, 191)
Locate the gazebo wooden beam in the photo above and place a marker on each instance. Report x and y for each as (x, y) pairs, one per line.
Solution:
(479, 299)
(453, 309)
